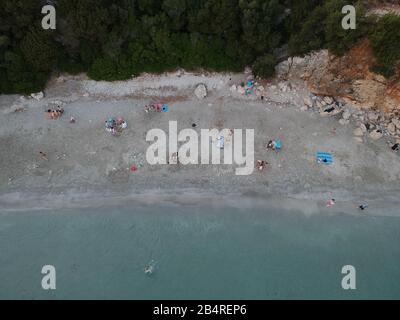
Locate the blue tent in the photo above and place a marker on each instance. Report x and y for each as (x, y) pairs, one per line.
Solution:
(164, 108)
(324, 157)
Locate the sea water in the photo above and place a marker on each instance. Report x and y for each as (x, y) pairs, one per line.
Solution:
(197, 253)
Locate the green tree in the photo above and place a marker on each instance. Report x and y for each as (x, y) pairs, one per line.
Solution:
(312, 34)
(339, 40)
(39, 50)
(385, 39)
(265, 66)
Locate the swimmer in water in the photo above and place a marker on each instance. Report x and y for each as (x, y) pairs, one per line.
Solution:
(330, 203)
(149, 269)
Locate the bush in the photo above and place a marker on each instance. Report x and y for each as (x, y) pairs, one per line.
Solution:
(312, 34)
(112, 40)
(103, 69)
(385, 40)
(386, 71)
(339, 40)
(265, 66)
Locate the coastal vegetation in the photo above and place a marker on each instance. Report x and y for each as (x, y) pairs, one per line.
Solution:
(113, 40)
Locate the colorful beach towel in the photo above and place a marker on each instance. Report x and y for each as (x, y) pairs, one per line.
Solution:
(324, 157)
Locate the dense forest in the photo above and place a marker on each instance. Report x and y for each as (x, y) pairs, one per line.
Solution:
(115, 39)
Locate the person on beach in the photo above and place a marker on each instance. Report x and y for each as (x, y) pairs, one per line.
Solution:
(261, 164)
(60, 110)
(272, 145)
(43, 156)
(49, 114)
(72, 119)
(174, 158)
(330, 203)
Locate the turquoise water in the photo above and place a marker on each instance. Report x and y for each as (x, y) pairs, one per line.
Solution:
(199, 253)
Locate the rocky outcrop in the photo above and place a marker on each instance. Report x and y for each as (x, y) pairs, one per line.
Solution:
(201, 91)
(347, 77)
(346, 85)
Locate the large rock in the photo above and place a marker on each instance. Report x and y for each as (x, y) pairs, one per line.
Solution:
(308, 102)
(392, 128)
(358, 132)
(396, 122)
(283, 86)
(373, 116)
(38, 96)
(201, 91)
(304, 108)
(363, 127)
(346, 115)
(376, 135)
(328, 100)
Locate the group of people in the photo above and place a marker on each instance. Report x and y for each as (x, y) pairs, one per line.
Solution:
(273, 145)
(156, 107)
(115, 126)
(249, 87)
(331, 202)
(54, 113)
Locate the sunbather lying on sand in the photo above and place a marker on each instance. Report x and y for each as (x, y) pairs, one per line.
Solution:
(261, 164)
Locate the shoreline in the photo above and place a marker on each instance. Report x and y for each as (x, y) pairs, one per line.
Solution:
(307, 204)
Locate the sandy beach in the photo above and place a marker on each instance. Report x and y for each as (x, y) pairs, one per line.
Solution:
(88, 166)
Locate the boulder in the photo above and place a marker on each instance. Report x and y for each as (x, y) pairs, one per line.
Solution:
(358, 132)
(248, 70)
(201, 91)
(283, 86)
(308, 102)
(363, 127)
(324, 114)
(392, 128)
(396, 122)
(346, 115)
(358, 139)
(376, 135)
(38, 96)
(373, 116)
(344, 122)
(304, 108)
(328, 100)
